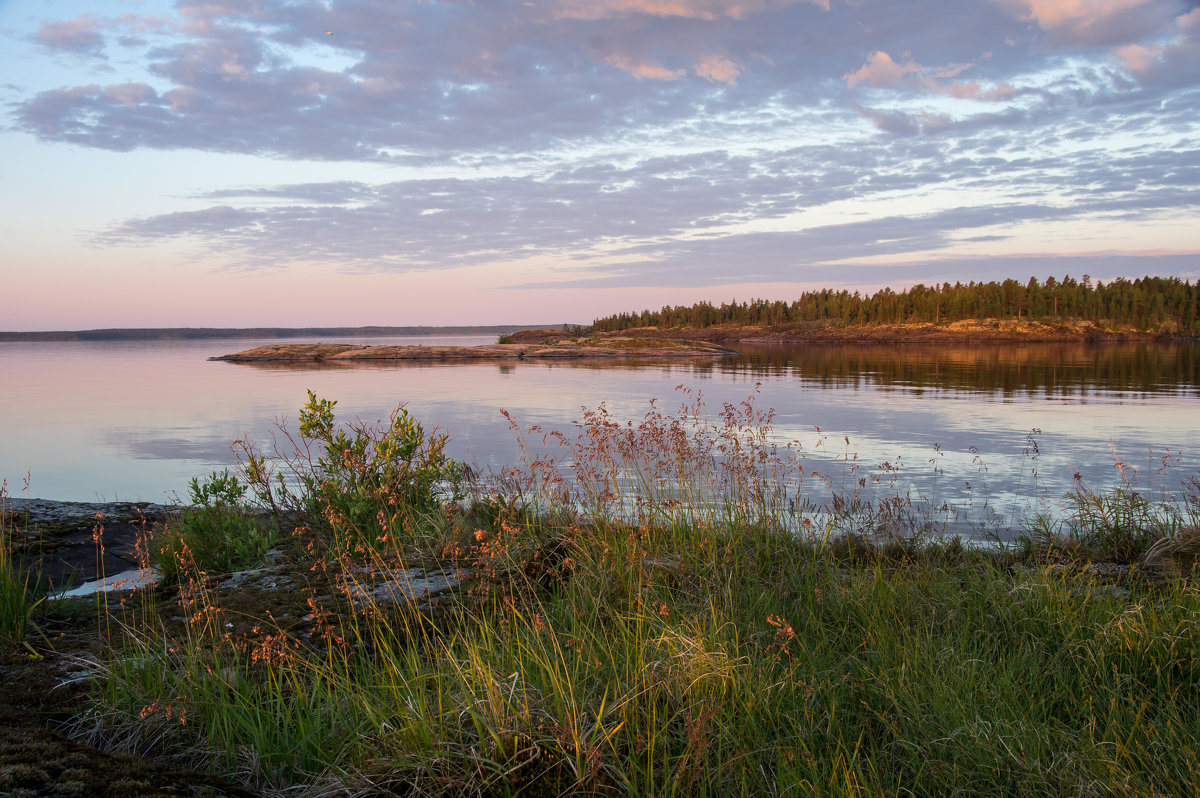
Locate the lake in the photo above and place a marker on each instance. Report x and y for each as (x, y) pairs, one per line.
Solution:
(996, 429)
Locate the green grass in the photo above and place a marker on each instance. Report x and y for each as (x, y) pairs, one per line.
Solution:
(702, 641)
(17, 585)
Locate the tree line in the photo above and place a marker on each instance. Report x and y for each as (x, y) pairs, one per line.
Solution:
(1165, 304)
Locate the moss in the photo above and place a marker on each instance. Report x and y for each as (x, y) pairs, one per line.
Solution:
(129, 788)
(23, 775)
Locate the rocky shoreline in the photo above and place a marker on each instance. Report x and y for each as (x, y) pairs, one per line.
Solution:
(67, 543)
(61, 544)
(580, 348)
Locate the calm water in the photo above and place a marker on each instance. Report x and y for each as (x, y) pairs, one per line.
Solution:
(137, 420)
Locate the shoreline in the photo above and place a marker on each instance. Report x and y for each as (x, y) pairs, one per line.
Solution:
(609, 348)
(981, 331)
(68, 543)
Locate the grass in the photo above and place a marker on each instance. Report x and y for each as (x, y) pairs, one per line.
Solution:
(666, 616)
(17, 584)
(1123, 524)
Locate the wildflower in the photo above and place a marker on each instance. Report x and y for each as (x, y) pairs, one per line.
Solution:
(784, 634)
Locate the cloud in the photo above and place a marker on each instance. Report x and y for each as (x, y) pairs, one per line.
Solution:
(1175, 62)
(882, 71)
(128, 95)
(718, 69)
(904, 123)
(80, 36)
(684, 217)
(67, 114)
(421, 79)
(641, 69)
(690, 9)
(1074, 23)
(661, 134)
(338, 193)
(429, 81)
(217, 222)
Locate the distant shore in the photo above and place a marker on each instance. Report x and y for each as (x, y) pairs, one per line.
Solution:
(205, 333)
(966, 331)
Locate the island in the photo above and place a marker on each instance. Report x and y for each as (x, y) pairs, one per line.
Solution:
(550, 347)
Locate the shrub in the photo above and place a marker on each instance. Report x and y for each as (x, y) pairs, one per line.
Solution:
(219, 531)
(358, 480)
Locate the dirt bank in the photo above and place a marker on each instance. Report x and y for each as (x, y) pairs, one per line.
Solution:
(969, 331)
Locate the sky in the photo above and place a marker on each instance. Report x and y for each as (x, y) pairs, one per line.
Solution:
(353, 162)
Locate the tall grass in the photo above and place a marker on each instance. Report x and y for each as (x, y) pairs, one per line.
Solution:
(1123, 524)
(658, 618)
(17, 583)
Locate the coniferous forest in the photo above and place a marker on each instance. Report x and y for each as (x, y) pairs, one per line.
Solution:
(1165, 305)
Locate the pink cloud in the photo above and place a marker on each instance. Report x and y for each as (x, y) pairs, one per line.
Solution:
(638, 61)
(718, 69)
(688, 9)
(1074, 23)
(1057, 13)
(81, 35)
(642, 69)
(1137, 59)
(882, 71)
(973, 91)
(220, 8)
(1175, 61)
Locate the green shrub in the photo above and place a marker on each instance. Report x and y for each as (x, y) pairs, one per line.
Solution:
(359, 481)
(217, 532)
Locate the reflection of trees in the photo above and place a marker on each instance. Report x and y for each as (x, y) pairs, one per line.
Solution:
(1052, 369)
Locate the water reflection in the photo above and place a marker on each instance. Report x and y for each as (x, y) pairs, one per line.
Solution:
(1030, 370)
(952, 423)
(1039, 369)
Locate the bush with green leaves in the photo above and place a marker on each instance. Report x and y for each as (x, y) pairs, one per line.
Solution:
(360, 481)
(218, 531)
